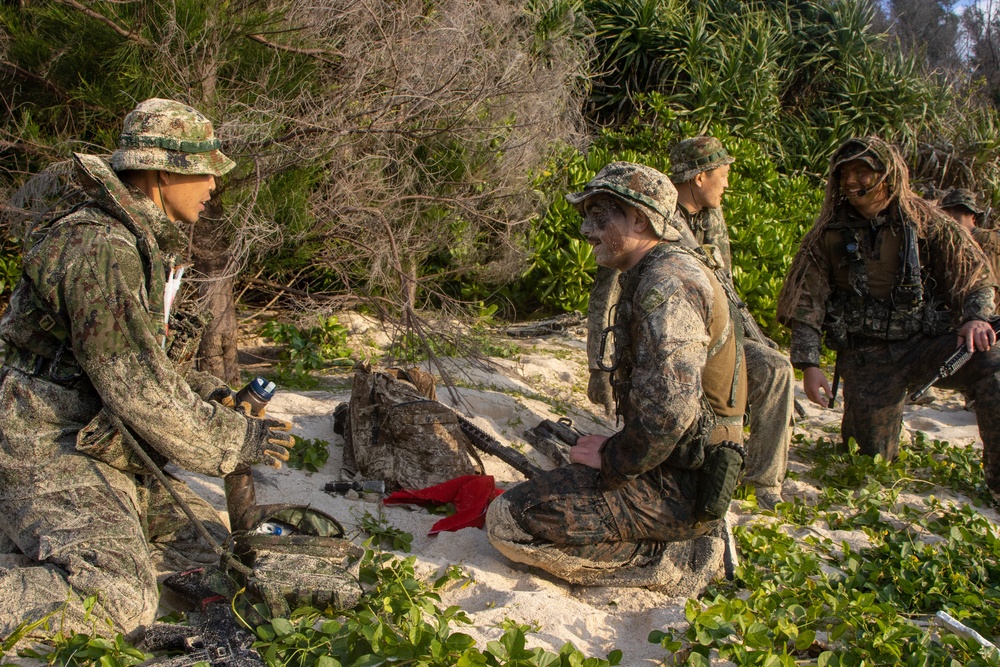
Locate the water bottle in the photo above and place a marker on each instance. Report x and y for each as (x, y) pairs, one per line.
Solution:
(241, 496)
(257, 393)
(274, 528)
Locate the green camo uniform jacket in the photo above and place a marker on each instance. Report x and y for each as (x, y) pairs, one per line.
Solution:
(98, 274)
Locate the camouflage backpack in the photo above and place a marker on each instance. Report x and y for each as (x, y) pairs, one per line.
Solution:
(396, 431)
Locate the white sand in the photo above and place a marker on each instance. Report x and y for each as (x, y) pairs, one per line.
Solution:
(552, 373)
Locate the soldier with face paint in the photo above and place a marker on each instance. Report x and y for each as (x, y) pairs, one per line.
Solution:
(888, 281)
(88, 351)
(623, 513)
(700, 172)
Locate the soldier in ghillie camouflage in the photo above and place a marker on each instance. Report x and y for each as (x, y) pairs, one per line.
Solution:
(625, 511)
(87, 349)
(961, 205)
(888, 279)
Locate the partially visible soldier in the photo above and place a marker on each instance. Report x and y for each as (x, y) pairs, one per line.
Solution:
(961, 205)
(700, 172)
(624, 512)
(888, 280)
(87, 353)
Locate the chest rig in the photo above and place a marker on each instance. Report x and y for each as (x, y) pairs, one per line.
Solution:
(878, 285)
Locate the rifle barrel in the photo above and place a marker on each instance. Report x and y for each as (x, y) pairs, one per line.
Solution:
(953, 363)
(485, 442)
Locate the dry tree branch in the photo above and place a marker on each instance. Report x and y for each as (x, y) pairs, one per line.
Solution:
(127, 34)
(17, 69)
(321, 54)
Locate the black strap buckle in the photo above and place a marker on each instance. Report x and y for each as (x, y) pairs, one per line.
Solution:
(75, 372)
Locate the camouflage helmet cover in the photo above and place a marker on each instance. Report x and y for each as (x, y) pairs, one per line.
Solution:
(695, 155)
(961, 197)
(636, 185)
(870, 150)
(164, 135)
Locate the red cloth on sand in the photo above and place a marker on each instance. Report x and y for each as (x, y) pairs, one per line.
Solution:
(471, 495)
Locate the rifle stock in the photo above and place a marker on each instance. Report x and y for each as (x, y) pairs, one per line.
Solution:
(484, 442)
(554, 439)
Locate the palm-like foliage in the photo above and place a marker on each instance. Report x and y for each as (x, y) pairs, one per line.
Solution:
(798, 77)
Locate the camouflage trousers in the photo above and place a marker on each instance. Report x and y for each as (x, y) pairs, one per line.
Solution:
(771, 399)
(876, 379)
(567, 508)
(73, 527)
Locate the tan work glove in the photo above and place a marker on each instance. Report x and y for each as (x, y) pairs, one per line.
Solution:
(267, 441)
(248, 410)
(224, 396)
(599, 391)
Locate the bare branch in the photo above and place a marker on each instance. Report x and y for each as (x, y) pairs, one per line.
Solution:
(322, 54)
(127, 34)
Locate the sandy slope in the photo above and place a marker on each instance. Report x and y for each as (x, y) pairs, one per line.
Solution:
(548, 381)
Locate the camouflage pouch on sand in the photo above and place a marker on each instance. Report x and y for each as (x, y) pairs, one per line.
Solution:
(308, 564)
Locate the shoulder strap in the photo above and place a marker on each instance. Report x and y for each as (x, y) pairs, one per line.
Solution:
(909, 291)
(857, 274)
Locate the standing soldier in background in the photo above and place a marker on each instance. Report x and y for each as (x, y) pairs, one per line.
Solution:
(88, 354)
(889, 279)
(626, 511)
(700, 172)
(960, 204)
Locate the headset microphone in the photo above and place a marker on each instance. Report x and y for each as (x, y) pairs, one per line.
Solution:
(863, 191)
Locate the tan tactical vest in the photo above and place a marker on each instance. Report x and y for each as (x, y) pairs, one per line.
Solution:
(882, 264)
(877, 280)
(724, 382)
(724, 379)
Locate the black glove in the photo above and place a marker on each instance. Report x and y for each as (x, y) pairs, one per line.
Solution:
(267, 441)
(224, 396)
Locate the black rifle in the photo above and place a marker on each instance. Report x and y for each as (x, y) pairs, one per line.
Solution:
(553, 439)
(751, 329)
(218, 641)
(951, 365)
(484, 442)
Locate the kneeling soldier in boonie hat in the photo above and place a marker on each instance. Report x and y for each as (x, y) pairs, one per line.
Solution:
(87, 367)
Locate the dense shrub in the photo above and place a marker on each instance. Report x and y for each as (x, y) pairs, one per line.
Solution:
(782, 84)
(767, 213)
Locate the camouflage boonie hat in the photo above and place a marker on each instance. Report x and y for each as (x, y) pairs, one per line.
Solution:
(636, 185)
(693, 156)
(961, 197)
(867, 149)
(164, 135)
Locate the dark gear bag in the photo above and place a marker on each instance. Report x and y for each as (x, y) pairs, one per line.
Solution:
(312, 564)
(398, 433)
(717, 479)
